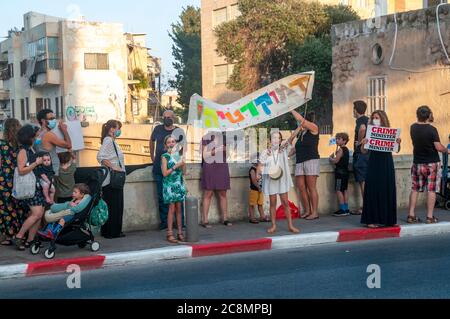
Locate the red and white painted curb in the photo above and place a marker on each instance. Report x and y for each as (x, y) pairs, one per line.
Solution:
(199, 250)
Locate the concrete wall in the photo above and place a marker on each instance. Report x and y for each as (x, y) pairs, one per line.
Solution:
(419, 73)
(141, 210)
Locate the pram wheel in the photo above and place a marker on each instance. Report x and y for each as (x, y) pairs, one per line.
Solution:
(35, 248)
(447, 205)
(82, 245)
(95, 246)
(49, 253)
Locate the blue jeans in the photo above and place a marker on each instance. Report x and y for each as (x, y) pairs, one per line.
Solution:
(164, 208)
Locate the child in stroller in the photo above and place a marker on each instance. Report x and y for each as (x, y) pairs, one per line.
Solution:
(60, 214)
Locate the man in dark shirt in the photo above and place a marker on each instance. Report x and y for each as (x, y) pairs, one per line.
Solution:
(426, 169)
(360, 160)
(159, 133)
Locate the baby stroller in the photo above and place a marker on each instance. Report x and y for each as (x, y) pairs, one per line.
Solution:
(78, 231)
(443, 199)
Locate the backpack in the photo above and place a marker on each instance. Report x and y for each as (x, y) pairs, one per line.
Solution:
(99, 214)
(24, 185)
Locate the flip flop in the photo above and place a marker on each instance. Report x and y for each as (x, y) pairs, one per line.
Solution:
(206, 225)
(312, 218)
(253, 221)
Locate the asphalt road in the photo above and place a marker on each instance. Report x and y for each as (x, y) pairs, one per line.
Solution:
(416, 267)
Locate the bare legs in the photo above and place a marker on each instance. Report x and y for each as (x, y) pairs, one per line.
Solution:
(285, 202)
(223, 205)
(307, 185)
(32, 224)
(174, 208)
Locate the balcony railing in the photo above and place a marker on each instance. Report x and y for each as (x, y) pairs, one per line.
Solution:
(47, 64)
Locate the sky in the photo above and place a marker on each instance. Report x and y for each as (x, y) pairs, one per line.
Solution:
(153, 17)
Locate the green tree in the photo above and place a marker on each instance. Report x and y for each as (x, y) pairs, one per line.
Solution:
(267, 43)
(187, 53)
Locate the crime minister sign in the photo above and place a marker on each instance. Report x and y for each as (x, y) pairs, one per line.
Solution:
(382, 139)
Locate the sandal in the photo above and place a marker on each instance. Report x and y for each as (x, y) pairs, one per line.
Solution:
(413, 220)
(265, 220)
(180, 238)
(253, 221)
(206, 225)
(6, 242)
(20, 243)
(432, 220)
(171, 239)
(227, 223)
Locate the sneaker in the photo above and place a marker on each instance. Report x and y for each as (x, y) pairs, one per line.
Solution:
(341, 212)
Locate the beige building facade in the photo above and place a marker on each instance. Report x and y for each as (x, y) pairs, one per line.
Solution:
(396, 66)
(215, 70)
(82, 70)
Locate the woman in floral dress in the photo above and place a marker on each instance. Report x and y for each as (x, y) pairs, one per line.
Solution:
(174, 190)
(11, 213)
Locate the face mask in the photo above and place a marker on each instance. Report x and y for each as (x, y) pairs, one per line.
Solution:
(38, 142)
(376, 122)
(118, 133)
(168, 121)
(52, 124)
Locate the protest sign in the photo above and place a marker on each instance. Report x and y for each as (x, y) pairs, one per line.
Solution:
(76, 135)
(263, 105)
(382, 139)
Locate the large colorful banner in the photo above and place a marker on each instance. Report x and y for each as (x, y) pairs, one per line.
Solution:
(263, 105)
(382, 139)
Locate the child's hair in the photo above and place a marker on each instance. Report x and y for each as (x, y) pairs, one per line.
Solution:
(83, 188)
(44, 154)
(344, 136)
(65, 157)
(275, 132)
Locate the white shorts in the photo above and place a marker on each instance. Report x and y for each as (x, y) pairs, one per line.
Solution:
(308, 168)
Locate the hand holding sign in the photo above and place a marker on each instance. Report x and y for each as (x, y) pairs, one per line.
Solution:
(382, 139)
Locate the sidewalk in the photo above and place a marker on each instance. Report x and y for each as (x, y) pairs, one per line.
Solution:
(146, 246)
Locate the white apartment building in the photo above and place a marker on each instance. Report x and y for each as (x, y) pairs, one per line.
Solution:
(76, 68)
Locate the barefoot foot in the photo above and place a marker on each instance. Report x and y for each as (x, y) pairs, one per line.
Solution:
(272, 229)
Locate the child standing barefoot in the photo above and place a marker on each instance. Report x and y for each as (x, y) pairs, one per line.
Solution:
(174, 190)
(277, 179)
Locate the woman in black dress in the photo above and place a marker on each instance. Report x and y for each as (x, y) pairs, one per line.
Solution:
(380, 198)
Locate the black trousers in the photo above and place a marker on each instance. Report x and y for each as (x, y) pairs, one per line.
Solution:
(114, 200)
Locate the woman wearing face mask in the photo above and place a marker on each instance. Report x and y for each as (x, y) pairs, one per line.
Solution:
(380, 201)
(47, 141)
(111, 156)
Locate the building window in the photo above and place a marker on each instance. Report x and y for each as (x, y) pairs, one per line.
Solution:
(22, 109)
(96, 61)
(135, 106)
(61, 105)
(222, 73)
(23, 68)
(27, 108)
(37, 48)
(53, 53)
(13, 109)
(57, 107)
(39, 105)
(234, 12)
(11, 70)
(219, 16)
(377, 98)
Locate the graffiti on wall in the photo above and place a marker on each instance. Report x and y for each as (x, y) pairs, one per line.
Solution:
(81, 113)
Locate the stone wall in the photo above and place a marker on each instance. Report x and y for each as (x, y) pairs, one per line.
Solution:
(419, 73)
(141, 210)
